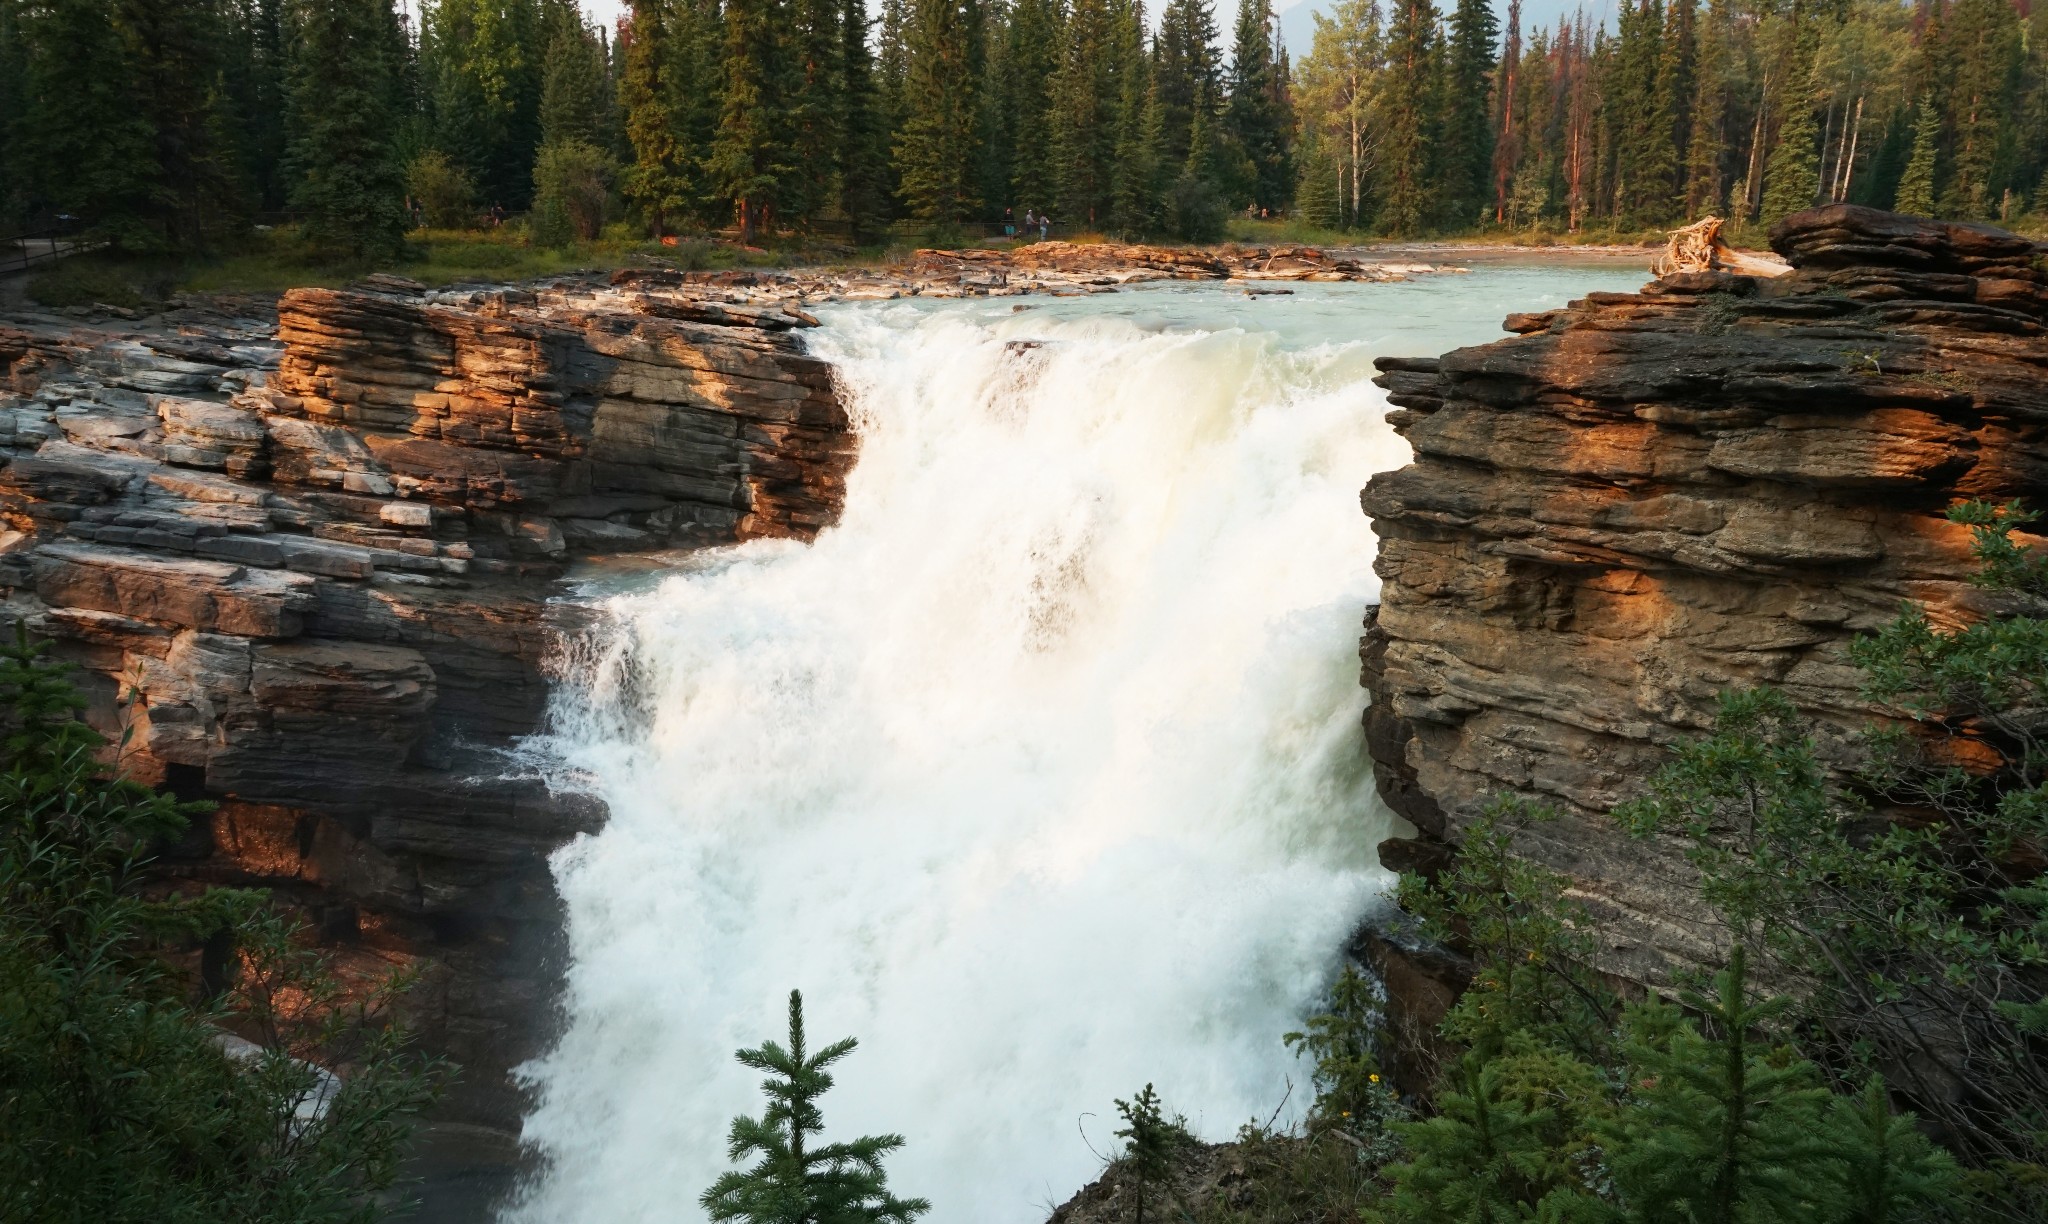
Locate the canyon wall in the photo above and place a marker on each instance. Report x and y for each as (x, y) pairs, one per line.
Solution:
(307, 560)
(1642, 500)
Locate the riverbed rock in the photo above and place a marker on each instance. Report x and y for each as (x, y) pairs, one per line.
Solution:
(1643, 500)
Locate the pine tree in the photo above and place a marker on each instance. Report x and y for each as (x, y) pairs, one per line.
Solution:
(818, 111)
(1135, 189)
(1408, 137)
(1915, 195)
(1255, 117)
(1889, 1171)
(863, 156)
(345, 178)
(1792, 175)
(1478, 1161)
(1031, 60)
(935, 144)
(84, 134)
(1723, 1129)
(798, 1181)
(1706, 141)
(1468, 123)
(575, 98)
(754, 160)
(1082, 117)
(482, 61)
(1185, 67)
(670, 93)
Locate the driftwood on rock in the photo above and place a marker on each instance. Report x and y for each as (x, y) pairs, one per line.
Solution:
(1698, 248)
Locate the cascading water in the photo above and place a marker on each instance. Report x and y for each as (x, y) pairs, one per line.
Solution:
(1040, 773)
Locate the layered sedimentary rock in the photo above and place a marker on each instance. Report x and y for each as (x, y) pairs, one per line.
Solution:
(307, 559)
(1055, 266)
(1642, 500)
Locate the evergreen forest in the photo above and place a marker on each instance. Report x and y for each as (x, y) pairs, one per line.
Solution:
(171, 126)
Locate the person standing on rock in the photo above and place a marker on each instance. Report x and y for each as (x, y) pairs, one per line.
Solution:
(1044, 224)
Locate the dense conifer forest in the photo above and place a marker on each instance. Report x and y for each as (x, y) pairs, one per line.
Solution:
(173, 125)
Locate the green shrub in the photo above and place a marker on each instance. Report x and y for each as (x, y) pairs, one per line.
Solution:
(120, 1098)
(442, 191)
(572, 187)
(86, 280)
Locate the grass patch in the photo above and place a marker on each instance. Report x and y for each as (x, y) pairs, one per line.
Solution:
(100, 280)
(278, 261)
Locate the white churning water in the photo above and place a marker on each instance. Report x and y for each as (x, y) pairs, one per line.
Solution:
(1041, 773)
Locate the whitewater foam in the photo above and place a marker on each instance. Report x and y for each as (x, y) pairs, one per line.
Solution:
(1040, 774)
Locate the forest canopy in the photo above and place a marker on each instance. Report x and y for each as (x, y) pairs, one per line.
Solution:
(178, 125)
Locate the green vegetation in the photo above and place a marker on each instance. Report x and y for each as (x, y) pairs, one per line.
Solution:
(796, 1180)
(255, 1091)
(1889, 1072)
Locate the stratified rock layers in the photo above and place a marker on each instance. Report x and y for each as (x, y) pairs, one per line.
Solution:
(327, 588)
(1643, 500)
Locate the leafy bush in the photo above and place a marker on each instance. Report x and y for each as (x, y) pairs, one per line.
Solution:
(1915, 944)
(572, 186)
(124, 1095)
(443, 191)
(86, 280)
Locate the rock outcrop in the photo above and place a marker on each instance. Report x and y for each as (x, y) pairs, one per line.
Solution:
(306, 558)
(1642, 500)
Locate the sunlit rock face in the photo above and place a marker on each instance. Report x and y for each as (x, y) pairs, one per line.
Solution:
(1645, 499)
(318, 544)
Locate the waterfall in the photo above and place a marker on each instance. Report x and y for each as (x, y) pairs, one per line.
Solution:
(1040, 774)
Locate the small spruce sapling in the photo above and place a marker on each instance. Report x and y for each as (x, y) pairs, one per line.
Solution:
(1485, 1158)
(795, 1181)
(1151, 1140)
(1724, 1127)
(1889, 1170)
(1351, 1095)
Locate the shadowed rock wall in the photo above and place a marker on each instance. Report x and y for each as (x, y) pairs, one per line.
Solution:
(319, 549)
(1642, 500)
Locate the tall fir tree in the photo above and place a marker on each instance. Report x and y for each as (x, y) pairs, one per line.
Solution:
(1915, 195)
(1082, 117)
(1792, 173)
(1031, 60)
(1255, 116)
(84, 135)
(670, 90)
(1407, 111)
(863, 154)
(1189, 77)
(482, 63)
(575, 98)
(345, 180)
(1467, 162)
(755, 161)
(818, 110)
(1706, 140)
(935, 144)
(1135, 189)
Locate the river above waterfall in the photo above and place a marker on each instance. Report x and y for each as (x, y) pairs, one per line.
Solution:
(1040, 774)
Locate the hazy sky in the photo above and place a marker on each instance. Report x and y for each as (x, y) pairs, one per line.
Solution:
(1294, 14)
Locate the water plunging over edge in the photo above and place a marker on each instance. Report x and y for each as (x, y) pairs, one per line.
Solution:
(1041, 773)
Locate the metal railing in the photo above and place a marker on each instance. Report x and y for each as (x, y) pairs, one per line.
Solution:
(25, 251)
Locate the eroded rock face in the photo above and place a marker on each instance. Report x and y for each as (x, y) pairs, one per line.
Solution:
(318, 548)
(1645, 499)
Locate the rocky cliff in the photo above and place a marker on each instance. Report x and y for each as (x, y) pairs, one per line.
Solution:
(1641, 500)
(318, 548)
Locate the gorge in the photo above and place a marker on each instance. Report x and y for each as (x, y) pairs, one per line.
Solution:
(1026, 743)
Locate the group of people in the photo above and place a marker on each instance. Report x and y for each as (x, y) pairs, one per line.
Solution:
(1033, 220)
